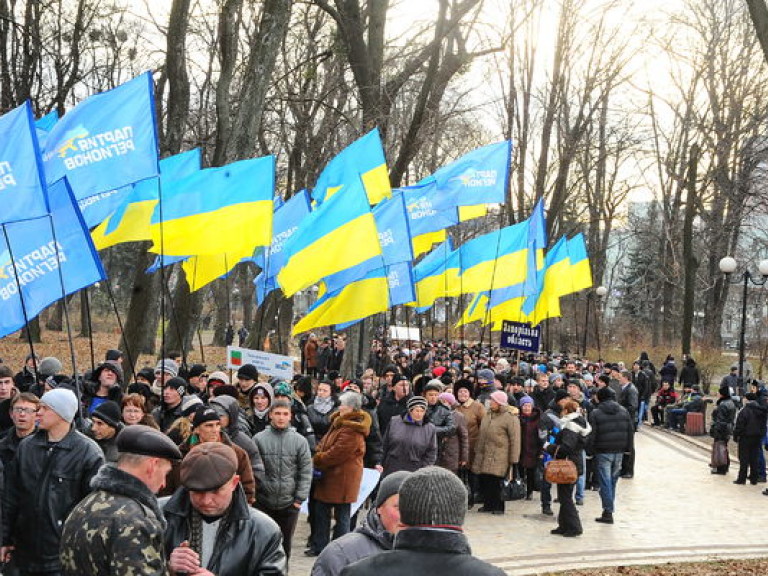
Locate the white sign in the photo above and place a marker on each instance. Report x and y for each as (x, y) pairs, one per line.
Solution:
(404, 333)
(367, 484)
(265, 362)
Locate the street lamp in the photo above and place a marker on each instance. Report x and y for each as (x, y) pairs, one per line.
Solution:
(600, 292)
(728, 266)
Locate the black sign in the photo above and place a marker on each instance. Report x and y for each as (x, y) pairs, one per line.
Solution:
(519, 336)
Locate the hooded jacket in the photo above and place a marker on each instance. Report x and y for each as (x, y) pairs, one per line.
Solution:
(236, 434)
(369, 539)
(259, 422)
(613, 430)
(751, 421)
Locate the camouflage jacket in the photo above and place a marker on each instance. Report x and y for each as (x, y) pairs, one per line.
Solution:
(117, 529)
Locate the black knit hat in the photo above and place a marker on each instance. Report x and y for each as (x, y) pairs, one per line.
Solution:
(109, 413)
(204, 414)
(248, 371)
(560, 395)
(433, 496)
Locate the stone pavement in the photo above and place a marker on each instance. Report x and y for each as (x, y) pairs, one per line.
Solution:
(672, 510)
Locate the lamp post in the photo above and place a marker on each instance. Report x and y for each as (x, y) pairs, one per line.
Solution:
(600, 291)
(728, 266)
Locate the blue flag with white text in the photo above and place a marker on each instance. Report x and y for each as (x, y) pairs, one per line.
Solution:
(33, 251)
(22, 184)
(106, 142)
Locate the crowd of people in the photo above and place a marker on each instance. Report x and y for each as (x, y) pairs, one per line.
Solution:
(183, 469)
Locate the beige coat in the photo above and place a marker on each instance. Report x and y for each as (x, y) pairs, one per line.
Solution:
(473, 413)
(498, 444)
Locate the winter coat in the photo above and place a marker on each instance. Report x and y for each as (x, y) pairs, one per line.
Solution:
(248, 542)
(666, 397)
(498, 446)
(473, 413)
(630, 399)
(339, 458)
(643, 385)
(530, 441)
(244, 470)
(236, 434)
(43, 486)
(668, 372)
(542, 397)
(310, 353)
(454, 449)
(109, 447)
(117, 529)
(368, 540)
(751, 421)
(288, 464)
(388, 408)
(613, 431)
(409, 445)
(89, 394)
(25, 379)
(320, 422)
(425, 551)
(690, 374)
(300, 421)
(166, 417)
(571, 440)
(442, 418)
(8, 446)
(374, 452)
(723, 417)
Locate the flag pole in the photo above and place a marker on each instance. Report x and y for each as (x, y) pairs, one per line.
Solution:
(21, 299)
(162, 275)
(126, 344)
(66, 316)
(87, 302)
(490, 291)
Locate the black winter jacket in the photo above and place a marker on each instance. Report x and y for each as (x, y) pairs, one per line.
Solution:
(751, 421)
(44, 484)
(612, 429)
(571, 440)
(425, 551)
(248, 542)
(722, 419)
(389, 407)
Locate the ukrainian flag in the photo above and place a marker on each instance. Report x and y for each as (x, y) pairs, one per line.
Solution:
(472, 212)
(437, 276)
(554, 283)
(358, 300)
(131, 221)
(337, 235)
(423, 243)
(203, 269)
(363, 159)
(495, 260)
(217, 211)
(580, 271)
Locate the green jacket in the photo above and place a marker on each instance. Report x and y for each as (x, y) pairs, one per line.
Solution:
(288, 467)
(116, 530)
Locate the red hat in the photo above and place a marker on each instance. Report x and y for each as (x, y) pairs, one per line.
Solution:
(438, 371)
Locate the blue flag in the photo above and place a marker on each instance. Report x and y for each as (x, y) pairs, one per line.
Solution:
(97, 208)
(162, 262)
(426, 211)
(22, 184)
(479, 177)
(400, 280)
(44, 125)
(39, 247)
(287, 218)
(107, 141)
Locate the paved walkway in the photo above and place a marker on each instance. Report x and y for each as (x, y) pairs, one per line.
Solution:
(672, 510)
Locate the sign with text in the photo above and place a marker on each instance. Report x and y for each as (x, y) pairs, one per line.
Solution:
(404, 333)
(265, 362)
(519, 336)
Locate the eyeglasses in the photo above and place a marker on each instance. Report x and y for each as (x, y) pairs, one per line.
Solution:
(20, 410)
(203, 375)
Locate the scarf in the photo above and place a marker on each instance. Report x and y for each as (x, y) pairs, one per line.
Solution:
(323, 405)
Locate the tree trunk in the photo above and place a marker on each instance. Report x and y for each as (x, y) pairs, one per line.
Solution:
(183, 322)
(758, 11)
(55, 320)
(689, 259)
(143, 312)
(178, 81)
(33, 329)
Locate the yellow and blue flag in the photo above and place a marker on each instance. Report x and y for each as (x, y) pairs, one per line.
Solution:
(580, 271)
(546, 302)
(495, 260)
(217, 211)
(23, 192)
(130, 222)
(437, 276)
(337, 235)
(358, 300)
(39, 247)
(537, 242)
(203, 269)
(423, 243)
(478, 177)
(363, 159)
(107, 141)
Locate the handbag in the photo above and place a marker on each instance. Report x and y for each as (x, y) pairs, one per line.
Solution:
(719, 454)
(513, 490)
(560, 471)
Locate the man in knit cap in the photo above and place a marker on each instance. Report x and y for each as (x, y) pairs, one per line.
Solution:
(105, 426)
(173, 392)
(52, 473)
(377, 534)
(211, 529)
(433, 504)
(118, 528)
